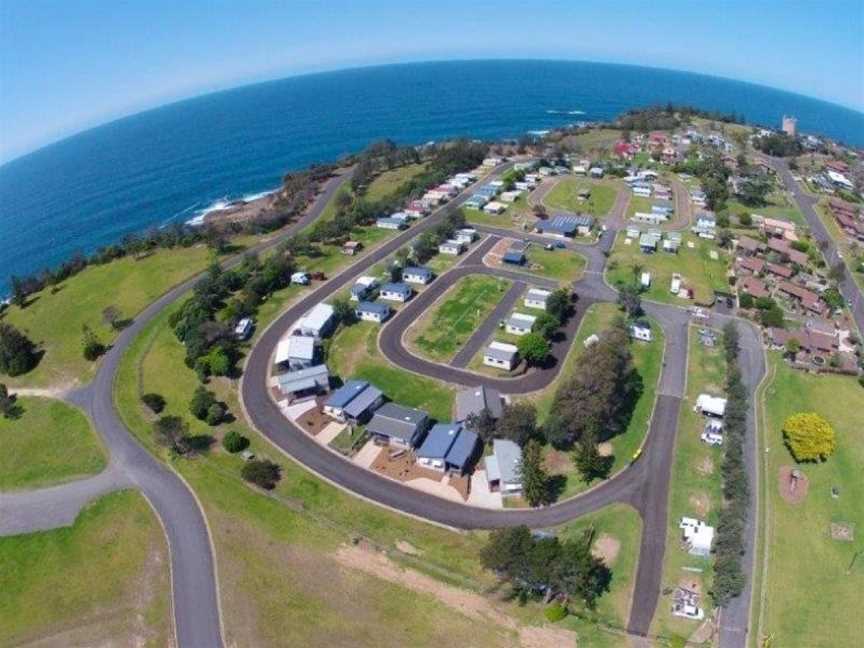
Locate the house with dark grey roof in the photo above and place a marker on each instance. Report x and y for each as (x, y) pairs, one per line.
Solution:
(475, 399)
(448, 446)
(399, 426)
(354, 401)
(417, 275)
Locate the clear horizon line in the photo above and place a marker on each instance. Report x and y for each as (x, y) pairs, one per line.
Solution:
(236, 84)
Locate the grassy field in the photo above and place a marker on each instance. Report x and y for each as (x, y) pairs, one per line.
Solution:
(647, 357)
(447, 325)
(695, 489)
(55, 320)
(804, 563)
(704, 274)
(638, 204)
(354, 353)
(617, 528)
(103, 581)
(52, 442)
(565, 196)
(515, 217)
(564, 265)
(852, 257)
(596, 139)
(388, 182)
(779, 206)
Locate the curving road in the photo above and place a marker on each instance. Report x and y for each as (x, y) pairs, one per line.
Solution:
(196, 605)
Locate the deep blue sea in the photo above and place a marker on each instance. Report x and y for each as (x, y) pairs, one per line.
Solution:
(173, 162)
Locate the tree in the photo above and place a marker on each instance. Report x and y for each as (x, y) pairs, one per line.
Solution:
(91, 346)
(745, 300)
(590, 463)
(629, 300)
(745, 219)
(483, 423)
(518, 422)
(155, 402)
(8, 407)
(262, 472)
(344, 312)
(171, 431)
(772, 317)
(17, 353)
(546, 325)
(535, 481)
(534, 348)
(792, 347)
(580, 574)
(558, 304)
(201, 401)
(234, 442)
(809, 437)
(636, 269)
(215, 414)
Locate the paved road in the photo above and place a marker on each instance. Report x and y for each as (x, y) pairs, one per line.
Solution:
(194, 588)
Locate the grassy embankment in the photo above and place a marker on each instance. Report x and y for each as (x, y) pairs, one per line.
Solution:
(50, 443)
(387, 183)
(852, 257)
(805, 564)
(442, 330)
(779, 206)
(102, 581)
(698, 270)
(695, 489)
(565, 196)
(647, 358)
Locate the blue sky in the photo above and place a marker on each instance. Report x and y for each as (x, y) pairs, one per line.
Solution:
(66, 66)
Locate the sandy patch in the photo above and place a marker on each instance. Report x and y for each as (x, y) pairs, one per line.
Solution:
(605, 449)
(407, 548)
(700, 503)
(557, 462)
(470, 604)
(706, 466)
(793, 491)
(606, 547)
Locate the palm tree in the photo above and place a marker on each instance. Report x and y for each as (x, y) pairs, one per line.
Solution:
(637, 271)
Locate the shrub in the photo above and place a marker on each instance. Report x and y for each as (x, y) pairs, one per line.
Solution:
(262, 472)
(234, 442)
(201, 401)
(809, 437)
(155, 402)
(17, 353)
(745, 300)
(555, 612)
(215, 414)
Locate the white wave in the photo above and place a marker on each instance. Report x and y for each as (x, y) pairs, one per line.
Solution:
(566, 112)
(221, 204)
(539, 133)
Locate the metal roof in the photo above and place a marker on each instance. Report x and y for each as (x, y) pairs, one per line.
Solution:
(373, 307)
(417, 271)
(438, 440)
(303, 379)
(474, 399)
(463, 448)
(393, 420)
(509, 456)
(318, 317)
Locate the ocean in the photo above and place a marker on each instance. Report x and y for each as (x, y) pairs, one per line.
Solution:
(176, 162)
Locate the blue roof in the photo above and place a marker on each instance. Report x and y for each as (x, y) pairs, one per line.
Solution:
(346, 393)
(514, 257)
(417, 270)
(373, 307)
(438, 440)
(565, 224)
(402, 288)
(363, 401)
(463, 448)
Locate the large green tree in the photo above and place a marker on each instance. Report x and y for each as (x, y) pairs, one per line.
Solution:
(18, 354)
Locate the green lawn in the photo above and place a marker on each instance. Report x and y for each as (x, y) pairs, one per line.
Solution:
(55, 320)
(51, 442)
(647, 357)
(515, 217)
(596, 139)
(353, 353)
(447, 325)
(102, 581)
(779, 206)
(565, 195)
(695, 489)
(638, 204)
(804, 563)
(388, 182)
(852, 257)
(564, 265)
(704, 274)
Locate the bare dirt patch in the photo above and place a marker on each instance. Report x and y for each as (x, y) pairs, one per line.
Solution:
(793, 490)
(402, 467)
(706, 466)
(843, 531)
(700, 503)
(606, 547)
(472, 605)
(558, 463)
(407, 548)
(605, 449)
